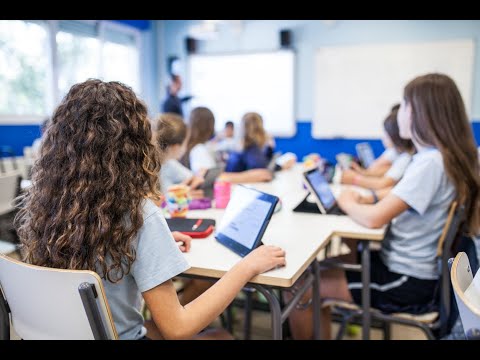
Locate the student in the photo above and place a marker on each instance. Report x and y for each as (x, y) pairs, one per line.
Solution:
(171, 136)
(383, 163)
(90, 208)
(225, 142)
(254, 139)
(404, 149)
(404, 274)
(200, 154)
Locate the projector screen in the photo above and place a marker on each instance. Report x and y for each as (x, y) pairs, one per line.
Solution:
(231, 85)
(355, 86)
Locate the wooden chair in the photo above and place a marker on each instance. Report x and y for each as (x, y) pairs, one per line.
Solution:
(466, 295)
(433, 324)
(46, 304)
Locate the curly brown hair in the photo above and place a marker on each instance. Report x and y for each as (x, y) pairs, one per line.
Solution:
(98, 162)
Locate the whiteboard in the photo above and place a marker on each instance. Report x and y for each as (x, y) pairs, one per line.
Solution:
(355, 86)
(232, 85)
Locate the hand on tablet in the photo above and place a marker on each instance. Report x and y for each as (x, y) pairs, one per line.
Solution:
(264, 258)
(184, 239)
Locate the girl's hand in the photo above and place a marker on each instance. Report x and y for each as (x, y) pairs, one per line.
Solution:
(347, 197)
(264, 258)
(348, 176)
(185, 239)
(195, 181)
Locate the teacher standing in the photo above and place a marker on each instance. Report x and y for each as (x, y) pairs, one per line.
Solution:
(173, 104)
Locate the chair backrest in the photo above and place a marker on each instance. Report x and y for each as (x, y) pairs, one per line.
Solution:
(9, 183)
(47, 303)
(462, 276)
(445, 251)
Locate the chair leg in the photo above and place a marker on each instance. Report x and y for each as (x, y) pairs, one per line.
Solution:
(387, 330)
(229, 319)
(248, 313)
(343, 326)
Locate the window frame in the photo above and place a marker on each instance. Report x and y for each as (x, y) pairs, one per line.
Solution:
(53, 93)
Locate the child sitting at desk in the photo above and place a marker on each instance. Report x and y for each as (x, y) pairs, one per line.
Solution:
(404, 149)
(200, 154)
(90, 208)
(404, 273)
(257, 147)
(171, 135)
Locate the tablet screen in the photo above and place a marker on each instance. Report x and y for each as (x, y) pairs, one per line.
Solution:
(245, 220)
(365, 154)
(320, 185)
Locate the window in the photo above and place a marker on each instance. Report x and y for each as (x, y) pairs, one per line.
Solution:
(41, 60)
(78, 60)
(120, 59)
(24, 64)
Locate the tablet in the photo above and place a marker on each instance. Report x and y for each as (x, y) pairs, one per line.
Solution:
(319, 188)
(365, 154)
(245, 220)
(210, 176)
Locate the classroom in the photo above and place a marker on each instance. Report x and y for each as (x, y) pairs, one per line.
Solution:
(239, 179)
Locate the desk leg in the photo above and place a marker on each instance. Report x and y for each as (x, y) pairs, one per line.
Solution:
(316, 301)
(365, 290)
(275, 310)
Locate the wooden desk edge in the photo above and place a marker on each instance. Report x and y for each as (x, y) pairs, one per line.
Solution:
(286, 283)
(260, 279)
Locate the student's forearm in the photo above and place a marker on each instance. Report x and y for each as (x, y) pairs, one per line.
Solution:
(367, 215)
(371, 182)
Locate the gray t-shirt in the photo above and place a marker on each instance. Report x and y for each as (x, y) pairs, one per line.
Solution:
(158, 259)
(390, 154)
(410, 245)
(172, 173)
(399, 166)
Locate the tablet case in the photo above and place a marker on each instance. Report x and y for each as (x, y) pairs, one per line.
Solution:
(307, 206)
(187, 226)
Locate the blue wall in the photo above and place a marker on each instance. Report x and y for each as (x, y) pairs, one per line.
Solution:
(308, 35)
(139, 24)
(18, 136)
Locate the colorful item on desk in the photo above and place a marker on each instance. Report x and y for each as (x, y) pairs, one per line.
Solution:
(200, 204)
(221, 193)
(178, 200)
(311, 160)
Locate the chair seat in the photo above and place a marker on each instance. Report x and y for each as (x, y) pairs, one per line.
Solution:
(426, 318)
(6, 247)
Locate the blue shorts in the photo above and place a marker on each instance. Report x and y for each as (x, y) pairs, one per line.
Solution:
(391, 292)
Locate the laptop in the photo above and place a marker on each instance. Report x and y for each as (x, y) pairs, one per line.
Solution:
(245, 219)
(210, 176)
(320, 190)
(365, 154)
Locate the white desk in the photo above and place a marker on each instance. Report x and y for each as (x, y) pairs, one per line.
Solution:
(301, 235)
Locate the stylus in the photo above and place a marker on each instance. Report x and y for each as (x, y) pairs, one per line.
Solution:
(197, 224)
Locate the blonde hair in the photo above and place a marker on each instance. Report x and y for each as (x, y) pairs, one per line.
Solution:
(253, 131)
(171, 130)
